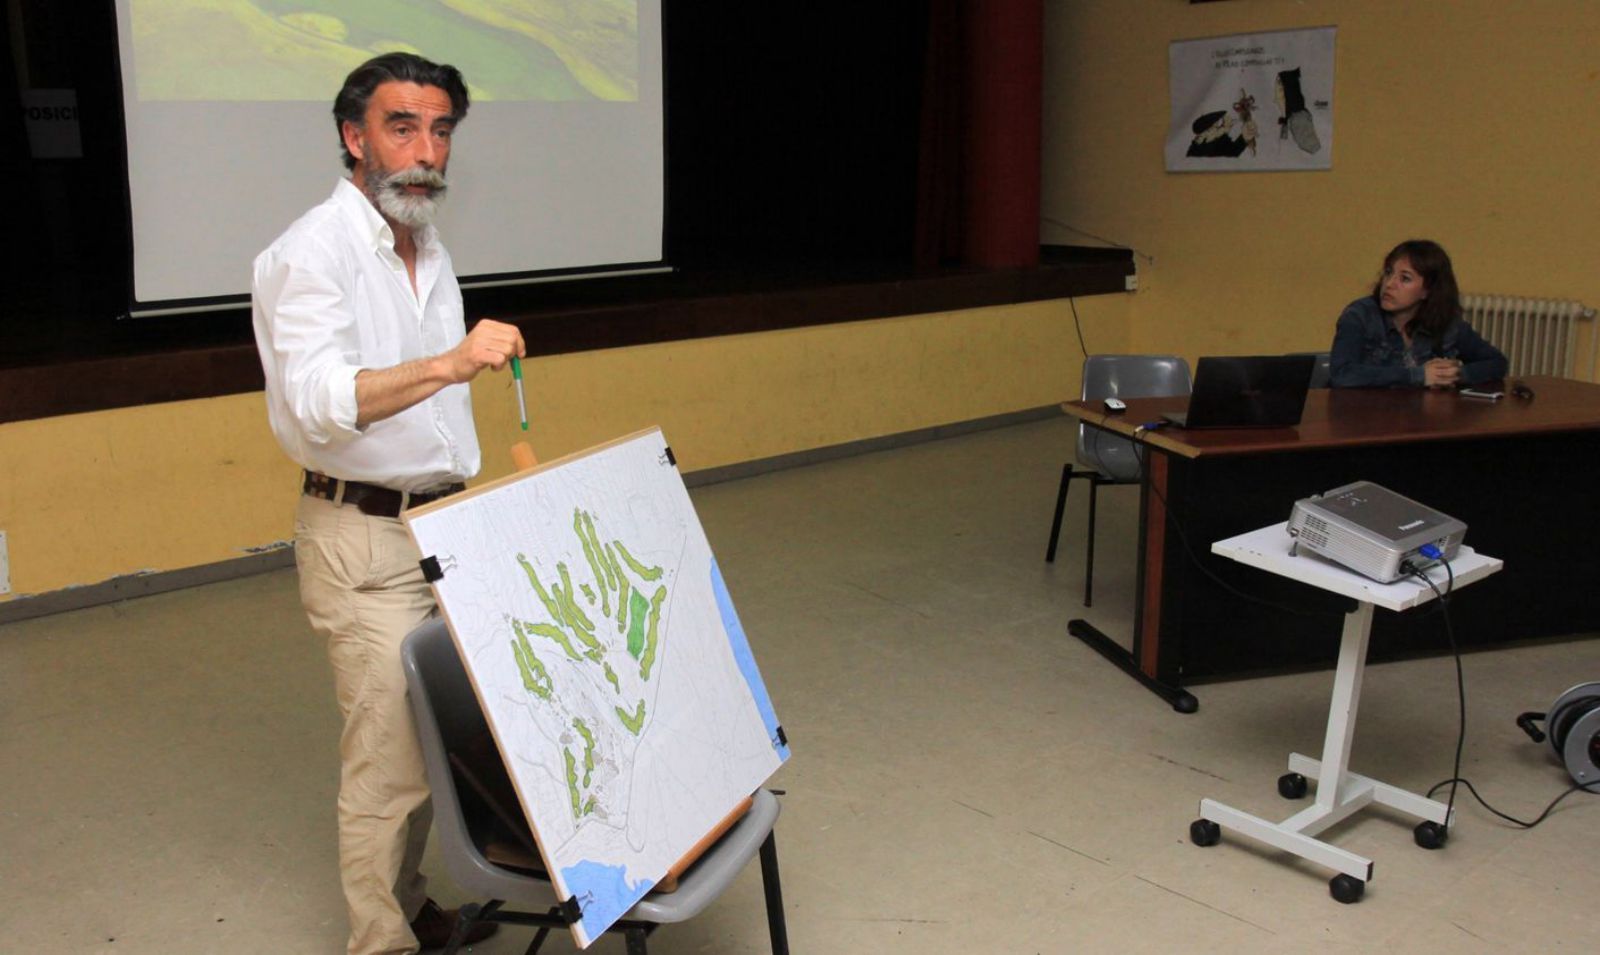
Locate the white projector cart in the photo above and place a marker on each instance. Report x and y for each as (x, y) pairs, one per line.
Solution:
(1340, 793)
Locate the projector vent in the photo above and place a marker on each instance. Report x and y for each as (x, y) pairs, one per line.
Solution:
(1314, 531)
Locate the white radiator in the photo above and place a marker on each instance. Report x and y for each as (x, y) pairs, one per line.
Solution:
(1539, 336)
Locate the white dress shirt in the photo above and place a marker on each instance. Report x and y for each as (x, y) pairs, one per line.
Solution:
(331, 297)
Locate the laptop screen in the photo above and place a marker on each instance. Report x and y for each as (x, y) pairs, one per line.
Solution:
(1257, 391)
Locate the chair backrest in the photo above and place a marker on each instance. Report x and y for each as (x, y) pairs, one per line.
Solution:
(449, 720)
(1321, 369)
(1125, 376)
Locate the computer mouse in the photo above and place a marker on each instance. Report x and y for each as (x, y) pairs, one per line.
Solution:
(1520, 390)
(1116, 405)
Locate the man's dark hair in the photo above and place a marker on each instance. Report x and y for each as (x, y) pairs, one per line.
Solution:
(351, 103)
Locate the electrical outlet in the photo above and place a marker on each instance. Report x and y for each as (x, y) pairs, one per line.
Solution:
(5, 566)
(1130, 283)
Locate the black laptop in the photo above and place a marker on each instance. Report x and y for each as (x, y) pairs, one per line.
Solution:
(1263, 391)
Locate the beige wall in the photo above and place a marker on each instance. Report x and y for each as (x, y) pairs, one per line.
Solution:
(1472, 122)
(87, 497)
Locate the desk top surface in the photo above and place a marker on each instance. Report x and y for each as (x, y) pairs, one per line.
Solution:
(1344, 417)
(1269, 549)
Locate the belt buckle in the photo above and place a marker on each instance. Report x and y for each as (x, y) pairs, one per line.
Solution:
(322, 486)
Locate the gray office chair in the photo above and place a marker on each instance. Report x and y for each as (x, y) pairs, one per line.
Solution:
(1106, 458)
(476, 817)
(1320, 370)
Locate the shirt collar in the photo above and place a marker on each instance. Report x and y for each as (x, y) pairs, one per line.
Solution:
(361, 213)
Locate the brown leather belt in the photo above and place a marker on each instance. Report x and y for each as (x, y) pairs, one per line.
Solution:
(371, 499)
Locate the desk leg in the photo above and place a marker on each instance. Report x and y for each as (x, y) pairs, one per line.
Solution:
(1176, 696)
(1144, 661)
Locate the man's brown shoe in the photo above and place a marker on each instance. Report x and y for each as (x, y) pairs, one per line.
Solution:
(433, 926)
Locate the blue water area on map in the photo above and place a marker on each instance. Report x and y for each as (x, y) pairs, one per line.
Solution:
(603, 893)
(746, 659)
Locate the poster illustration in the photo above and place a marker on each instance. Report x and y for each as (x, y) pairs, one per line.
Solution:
(1252, 102)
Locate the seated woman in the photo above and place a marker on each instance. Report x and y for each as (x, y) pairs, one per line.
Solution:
(1409, 332)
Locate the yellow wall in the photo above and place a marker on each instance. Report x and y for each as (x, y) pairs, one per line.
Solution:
(87, 497)
(1472, 122)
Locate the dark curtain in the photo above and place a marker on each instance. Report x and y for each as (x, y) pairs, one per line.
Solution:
(978, 148)
(938, 218)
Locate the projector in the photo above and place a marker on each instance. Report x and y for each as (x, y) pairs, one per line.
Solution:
(1373, 531)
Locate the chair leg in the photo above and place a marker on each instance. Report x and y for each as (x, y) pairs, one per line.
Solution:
(635, 941)
(1061, 503)
(1088, 568)
(468, 916)
(777, 928)
(542, 934)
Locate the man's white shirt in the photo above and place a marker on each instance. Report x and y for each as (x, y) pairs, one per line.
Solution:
(330, 297)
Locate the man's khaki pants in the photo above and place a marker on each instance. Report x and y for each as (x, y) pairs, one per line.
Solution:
(363, 590)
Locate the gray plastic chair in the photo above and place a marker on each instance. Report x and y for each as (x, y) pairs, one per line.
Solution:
(1321, 370)
(1106, 458)
(468, 821)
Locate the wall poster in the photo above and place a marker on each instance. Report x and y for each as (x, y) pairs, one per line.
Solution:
(1252, 102)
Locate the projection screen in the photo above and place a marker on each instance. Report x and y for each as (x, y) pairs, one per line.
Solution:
(230, 132)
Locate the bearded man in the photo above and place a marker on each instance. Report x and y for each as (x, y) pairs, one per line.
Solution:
(361, 330)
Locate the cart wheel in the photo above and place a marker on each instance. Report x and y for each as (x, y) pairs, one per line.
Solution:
(1430, 835)
(1346, 889)
(1204, 832)
(1292, 786)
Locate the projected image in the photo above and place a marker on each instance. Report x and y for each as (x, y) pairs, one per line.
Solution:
(543, 50)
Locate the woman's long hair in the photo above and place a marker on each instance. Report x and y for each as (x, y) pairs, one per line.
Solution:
(1443, 304)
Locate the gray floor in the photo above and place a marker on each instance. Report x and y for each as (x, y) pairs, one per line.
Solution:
(965, 778)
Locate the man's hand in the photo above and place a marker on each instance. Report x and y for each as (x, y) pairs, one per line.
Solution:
(1441, 373)
(490, 344)
(385, 392)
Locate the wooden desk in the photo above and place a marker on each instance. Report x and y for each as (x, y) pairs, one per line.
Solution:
(1519, 472)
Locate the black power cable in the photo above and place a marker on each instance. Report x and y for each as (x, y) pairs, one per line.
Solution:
(1576, 787)
(1461, 682)
(1461, 695)
(1078, 325)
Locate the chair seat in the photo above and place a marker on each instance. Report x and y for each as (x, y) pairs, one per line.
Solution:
(709, 876)
(697, 888)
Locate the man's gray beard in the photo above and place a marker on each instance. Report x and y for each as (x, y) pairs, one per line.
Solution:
(387, 191)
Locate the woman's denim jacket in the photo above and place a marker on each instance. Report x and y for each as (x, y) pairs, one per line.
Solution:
(1369, 352)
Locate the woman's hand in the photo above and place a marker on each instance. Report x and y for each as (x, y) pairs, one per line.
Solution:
(1441, 373)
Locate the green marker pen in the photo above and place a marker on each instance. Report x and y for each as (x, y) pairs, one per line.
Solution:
(522, 403)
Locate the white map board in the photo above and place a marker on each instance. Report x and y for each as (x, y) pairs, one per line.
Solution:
(592, 619)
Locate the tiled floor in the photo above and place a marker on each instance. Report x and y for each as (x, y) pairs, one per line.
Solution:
(966, 777)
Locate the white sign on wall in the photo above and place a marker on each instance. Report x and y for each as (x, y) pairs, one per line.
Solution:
(1252, 102)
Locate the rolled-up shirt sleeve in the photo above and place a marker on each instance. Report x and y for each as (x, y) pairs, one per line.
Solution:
(313, 339)
(331, 297)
